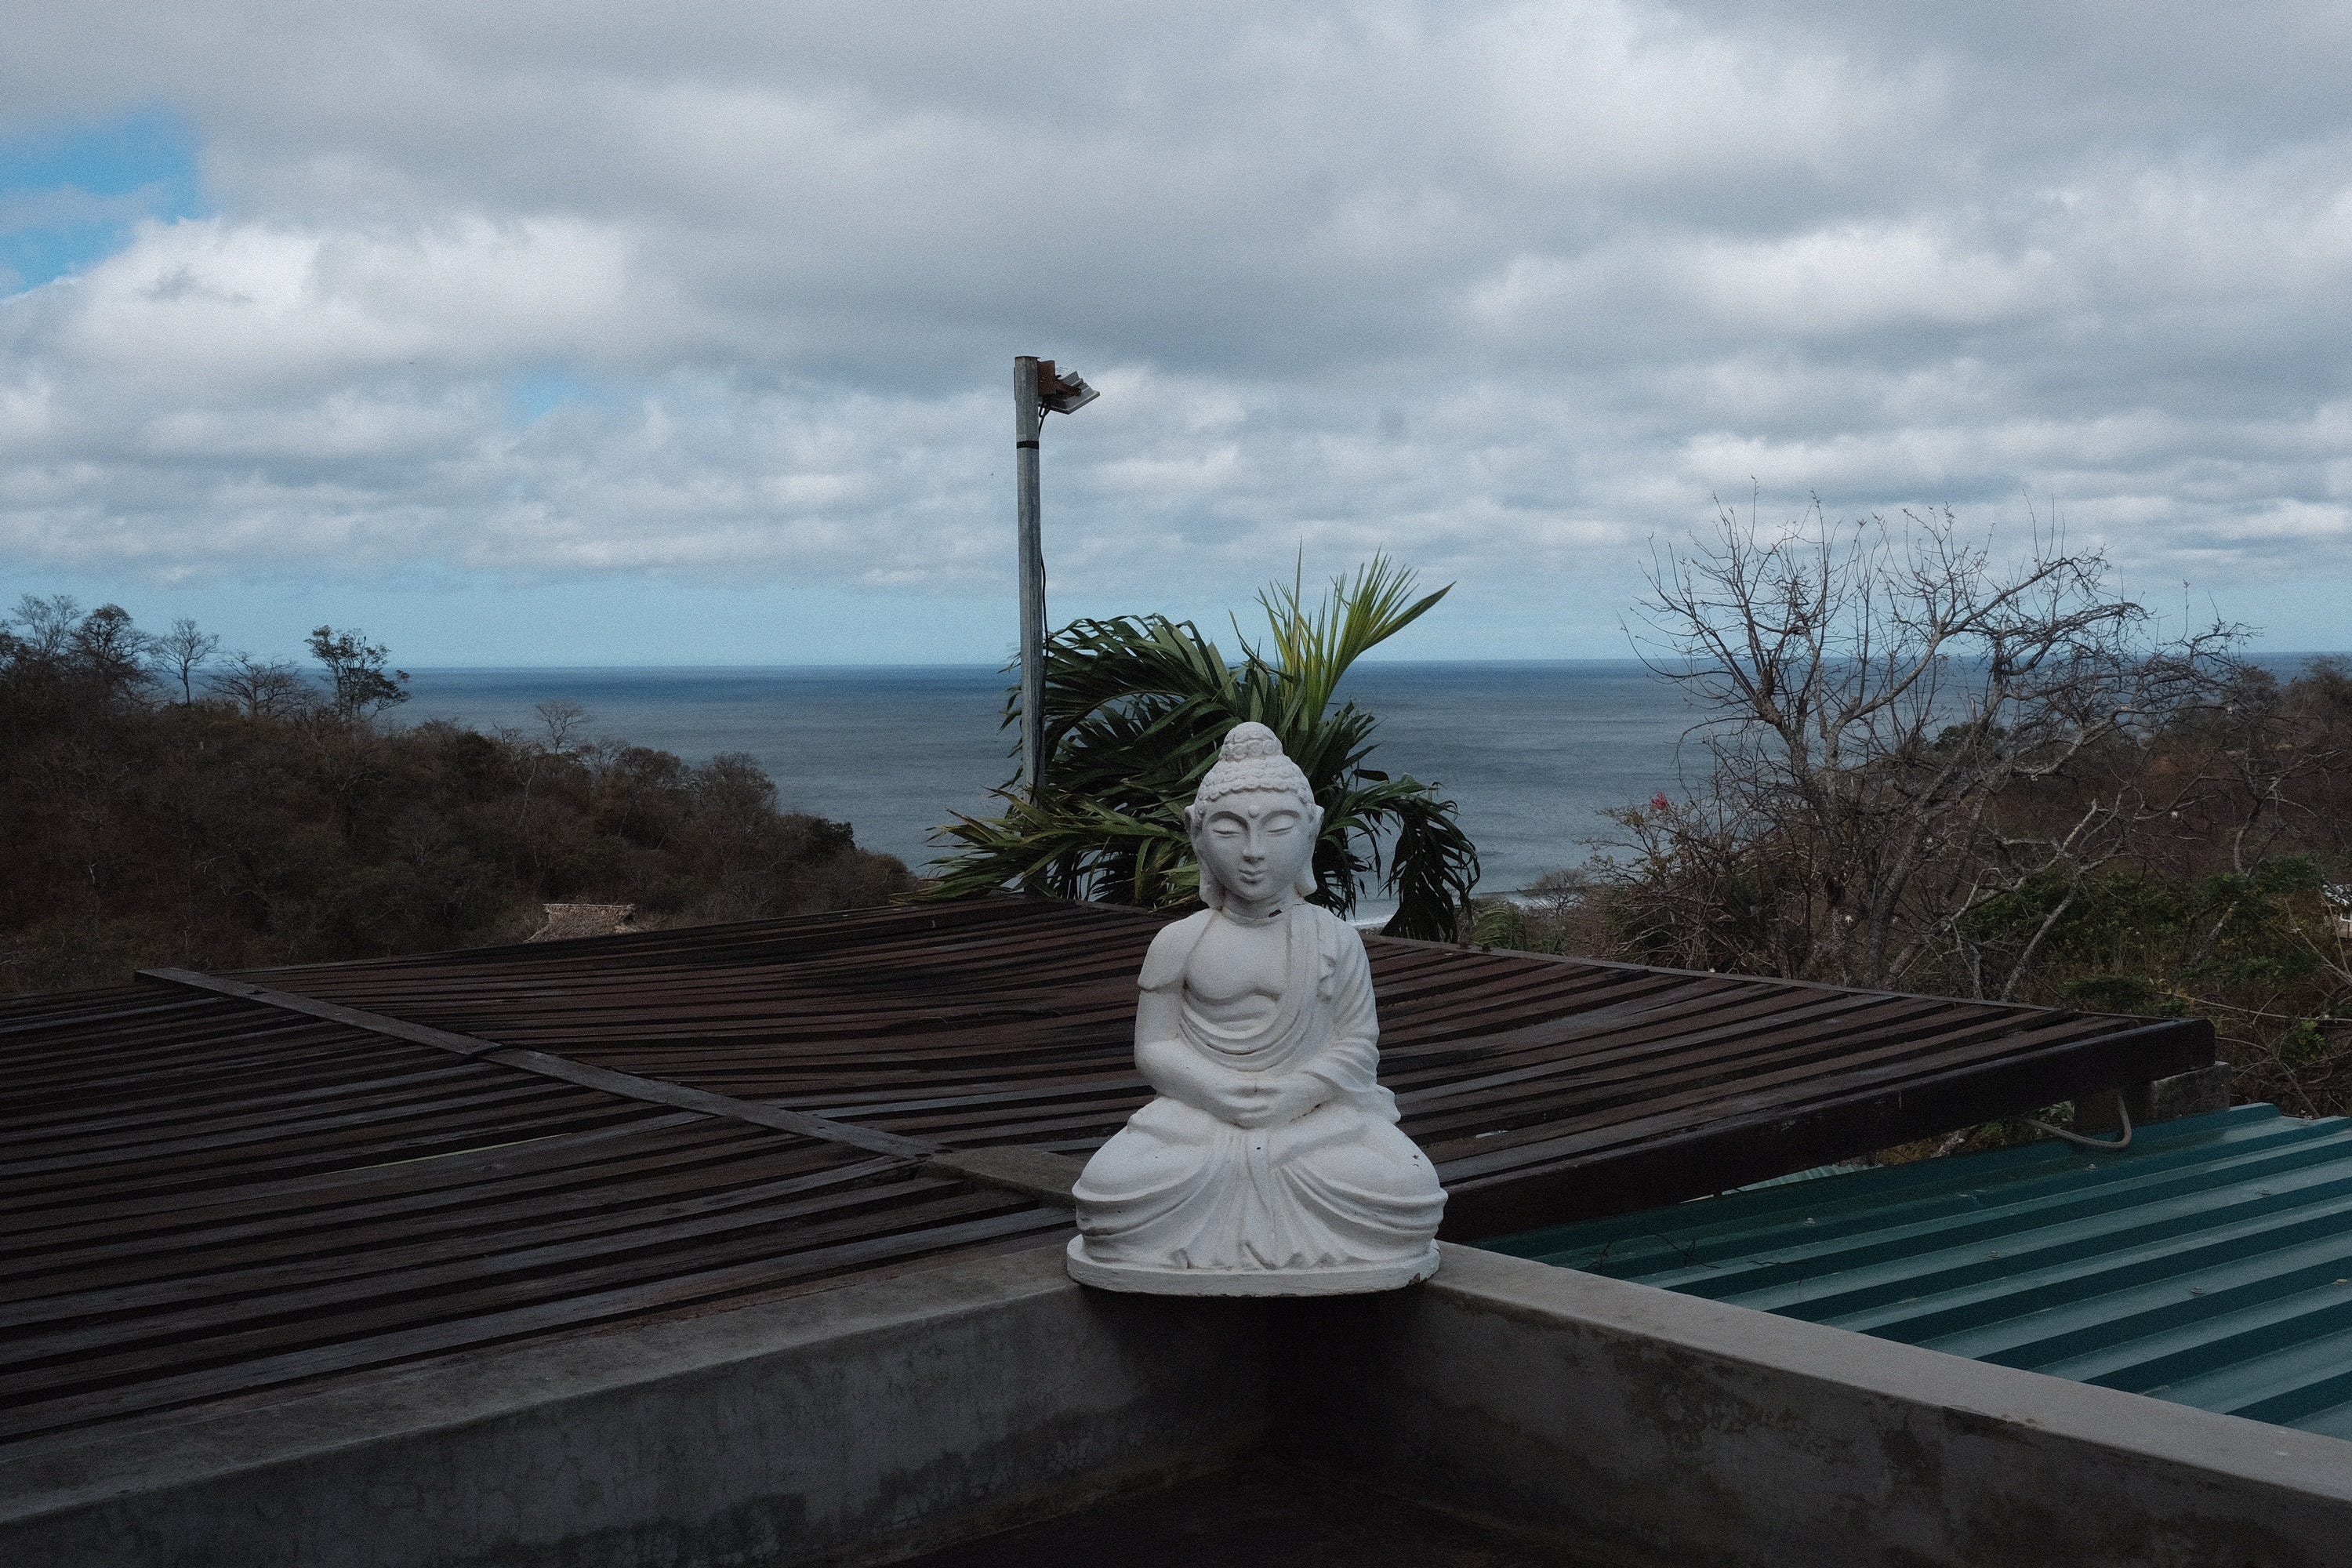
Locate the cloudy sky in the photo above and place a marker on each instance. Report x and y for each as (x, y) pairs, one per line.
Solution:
(538, 332)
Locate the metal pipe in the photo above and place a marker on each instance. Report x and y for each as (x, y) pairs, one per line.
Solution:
(1028, 416)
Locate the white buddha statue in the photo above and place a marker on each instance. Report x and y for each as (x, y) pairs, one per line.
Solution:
(1270, 1164)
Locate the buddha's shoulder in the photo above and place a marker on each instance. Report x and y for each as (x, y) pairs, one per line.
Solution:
(1163, 964)
(1184, 932)
(1341, 935)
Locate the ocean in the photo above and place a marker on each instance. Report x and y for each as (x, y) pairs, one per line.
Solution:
(1532, 751)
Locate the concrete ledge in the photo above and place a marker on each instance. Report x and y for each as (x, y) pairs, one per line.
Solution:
(1666, 1429)
(865, 1424)
(856, 1425)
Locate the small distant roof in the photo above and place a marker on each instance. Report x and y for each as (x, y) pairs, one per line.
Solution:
(2211, 1264)
(221, 1186)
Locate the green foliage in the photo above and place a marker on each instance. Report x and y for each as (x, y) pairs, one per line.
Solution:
(2137, 942)
(2135, 993)
(1136, 708)
(2306, 1044)
(215, 833)
(1500, 922)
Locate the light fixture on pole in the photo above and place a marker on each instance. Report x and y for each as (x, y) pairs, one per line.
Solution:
(1038, 389)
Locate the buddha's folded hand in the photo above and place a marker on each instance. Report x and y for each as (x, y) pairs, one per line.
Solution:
(1278, 1100)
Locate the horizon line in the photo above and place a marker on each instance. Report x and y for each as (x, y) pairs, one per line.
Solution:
(2262, 657)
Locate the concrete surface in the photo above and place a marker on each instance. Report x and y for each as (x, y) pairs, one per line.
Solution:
(868, 1424)
(1262, 1512)
(2196, 1093)
(1644, 1423)
(853, 1426)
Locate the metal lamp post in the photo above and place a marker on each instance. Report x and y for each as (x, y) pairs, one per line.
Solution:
(1037, 389)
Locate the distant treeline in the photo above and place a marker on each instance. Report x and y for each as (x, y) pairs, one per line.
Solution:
(161, 804)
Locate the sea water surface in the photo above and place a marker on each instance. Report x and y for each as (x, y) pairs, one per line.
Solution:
(1532, 751)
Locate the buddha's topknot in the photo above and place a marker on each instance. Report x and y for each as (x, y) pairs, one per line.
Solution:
(1250, 739)
(1252, 758)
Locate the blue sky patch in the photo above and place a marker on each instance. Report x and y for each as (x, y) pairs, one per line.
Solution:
(543, 392)
(69, 198)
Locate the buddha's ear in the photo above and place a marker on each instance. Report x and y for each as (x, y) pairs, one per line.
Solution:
(1305, 886)
(1212, 892)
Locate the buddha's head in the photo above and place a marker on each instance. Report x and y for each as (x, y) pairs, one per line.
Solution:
(1254, 822)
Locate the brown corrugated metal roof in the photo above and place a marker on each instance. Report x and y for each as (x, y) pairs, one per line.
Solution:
(211, 1197)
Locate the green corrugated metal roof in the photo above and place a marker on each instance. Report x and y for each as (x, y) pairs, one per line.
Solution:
(2210, 1264)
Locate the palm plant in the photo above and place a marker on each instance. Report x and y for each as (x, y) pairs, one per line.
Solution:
(1136, 708)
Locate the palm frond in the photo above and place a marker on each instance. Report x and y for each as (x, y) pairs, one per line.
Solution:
(1135, 709)
(1316, 646)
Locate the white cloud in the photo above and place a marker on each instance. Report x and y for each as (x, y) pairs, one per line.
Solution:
(1858, 277)
(204, 309)
(539, 293)
(1629, 96)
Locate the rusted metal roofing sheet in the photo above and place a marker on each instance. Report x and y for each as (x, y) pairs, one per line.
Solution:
(214, 1199)
(1544, 1088)
(2211, 1264)
(219, 1189)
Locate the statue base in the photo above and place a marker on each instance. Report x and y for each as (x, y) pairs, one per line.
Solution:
(1344, 1279)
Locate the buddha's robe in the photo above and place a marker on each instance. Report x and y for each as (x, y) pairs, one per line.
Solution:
(1180, 1188)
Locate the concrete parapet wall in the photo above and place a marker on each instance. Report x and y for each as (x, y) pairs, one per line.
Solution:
(863, 1423)
(1655, 1427)
(854, 1426)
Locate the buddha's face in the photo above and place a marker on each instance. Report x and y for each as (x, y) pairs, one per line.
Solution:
(1258, 843)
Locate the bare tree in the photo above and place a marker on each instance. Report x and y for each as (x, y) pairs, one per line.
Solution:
(1558, 891)
(261, 688)
(561, 721)
(49, 623)
(182, 651)
(1898, 726)
(106, 642)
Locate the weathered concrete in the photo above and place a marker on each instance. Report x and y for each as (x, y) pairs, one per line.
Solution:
(1263, 1513)
(2196, 1093)
(865, 1424)
(858, 1424)
(1656, 1427)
